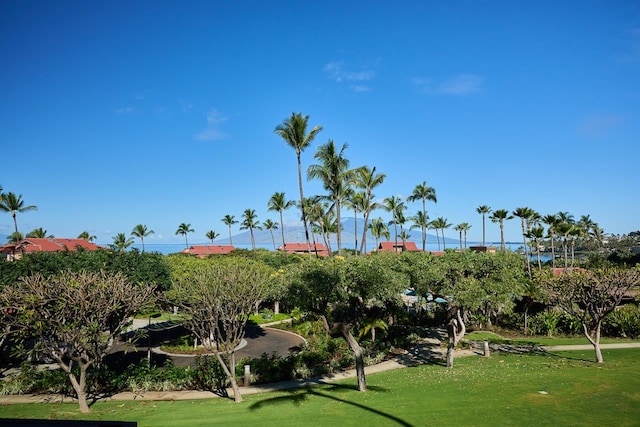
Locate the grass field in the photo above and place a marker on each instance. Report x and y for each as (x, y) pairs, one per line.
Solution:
(564, 388)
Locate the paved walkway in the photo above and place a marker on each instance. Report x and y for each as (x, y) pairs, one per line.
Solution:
(428, 351)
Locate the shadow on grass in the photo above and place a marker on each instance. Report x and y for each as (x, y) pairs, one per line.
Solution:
(299, 396)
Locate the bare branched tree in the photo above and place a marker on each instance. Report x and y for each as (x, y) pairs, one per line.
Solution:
(73, 318)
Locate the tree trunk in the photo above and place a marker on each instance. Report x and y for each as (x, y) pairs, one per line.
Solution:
(302, 208)
(230, 371)
(455, 330)
(594, 340)
(357, 353)
(276, 307)
(80, 387)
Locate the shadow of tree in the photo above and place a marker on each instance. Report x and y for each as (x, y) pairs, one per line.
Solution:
(299, 396)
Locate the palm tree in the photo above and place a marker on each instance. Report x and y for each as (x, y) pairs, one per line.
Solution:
(294, 132)
(333, 171)
(537, 234)
(483, 210)
(184, 229)
(279, 203)
(404, 236)
(121, 242)
(85, 235)
(379, 229)
(394, 205)
(212, 235)
(15, 237)
(525, 214)
(13, 204)
(421, 221)
(270, 225)
(423, 192)
(564, 229)
(500, 216)
(356, 201)
(367, 179)
(441, 223)
(140, 231)
(552, 221)
(39, 233)
(229, 220)
(462, 228)
(250, 222)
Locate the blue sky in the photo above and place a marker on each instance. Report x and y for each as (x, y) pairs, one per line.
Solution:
(162, 112)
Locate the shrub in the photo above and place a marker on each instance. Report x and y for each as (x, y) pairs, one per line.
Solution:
(623, 322)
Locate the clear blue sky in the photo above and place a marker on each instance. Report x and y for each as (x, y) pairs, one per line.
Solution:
(161, 112)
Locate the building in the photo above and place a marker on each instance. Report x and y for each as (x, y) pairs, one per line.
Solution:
(13, 251)
(302, 249)
(203, 251)
(397, 247)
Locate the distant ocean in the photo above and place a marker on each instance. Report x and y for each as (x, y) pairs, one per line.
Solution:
(172, 248)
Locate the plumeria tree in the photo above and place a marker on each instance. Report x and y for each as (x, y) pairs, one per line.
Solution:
(72, 318)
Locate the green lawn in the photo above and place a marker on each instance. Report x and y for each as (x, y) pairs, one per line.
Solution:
(539, 340)
(561, 389)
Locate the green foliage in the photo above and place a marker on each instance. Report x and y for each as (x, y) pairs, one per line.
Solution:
(148, 268)
(623, 322)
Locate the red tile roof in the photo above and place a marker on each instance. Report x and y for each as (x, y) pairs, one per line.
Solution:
(202, 251)
(301, 248)
(399, 247)
(31, 245)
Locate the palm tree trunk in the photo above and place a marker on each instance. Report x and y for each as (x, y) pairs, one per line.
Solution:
(302, 208)
(355, 229)
(282, 230)
(339, 231)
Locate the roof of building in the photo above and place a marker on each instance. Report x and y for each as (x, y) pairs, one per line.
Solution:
(30, 245)
(302, 248)
(397, 247)
(202, 251)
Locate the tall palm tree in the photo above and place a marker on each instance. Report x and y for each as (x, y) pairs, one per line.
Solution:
(314, 211)
(294, 132)
(85, 235)
(279, 203)
(121, 242)
(356, 201)
(140, 231)
(184, 229)
(462, 228)
(379, 229)
(404, 236)
(420, 221)
(212, 235)
(441, 223)
(229, 220)
(525, 214)
(536, 234)
(270, 225)
(250, 222)
(565, 229)
(552, 221)
(423, 192)
(333, 171)
(39, 233)
(500, 216)
(394, 205)
(13, 204)
(367, 179)
(483, 210)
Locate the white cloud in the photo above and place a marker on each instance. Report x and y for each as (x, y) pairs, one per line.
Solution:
(460, 85)
(337, 72)
(212, 133)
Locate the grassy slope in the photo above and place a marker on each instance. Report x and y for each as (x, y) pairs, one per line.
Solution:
(502, 390)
